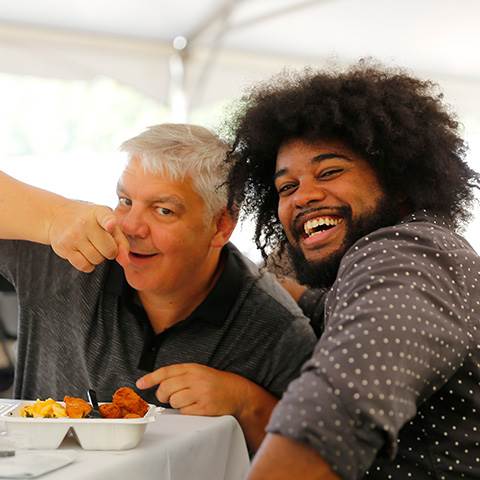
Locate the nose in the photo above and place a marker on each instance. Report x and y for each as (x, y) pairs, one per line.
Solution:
(133, 224)
(307, 193)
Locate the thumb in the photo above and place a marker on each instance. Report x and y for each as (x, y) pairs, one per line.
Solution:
(121, 241)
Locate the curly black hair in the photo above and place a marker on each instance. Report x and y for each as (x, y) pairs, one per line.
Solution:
(396, 122)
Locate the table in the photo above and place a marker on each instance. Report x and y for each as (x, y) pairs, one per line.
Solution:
(174, 447)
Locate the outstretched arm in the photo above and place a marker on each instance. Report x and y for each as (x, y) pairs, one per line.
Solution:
(82, 233)
(281, 458)
(200, 390)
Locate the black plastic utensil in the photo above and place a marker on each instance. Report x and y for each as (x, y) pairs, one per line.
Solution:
(92, 398)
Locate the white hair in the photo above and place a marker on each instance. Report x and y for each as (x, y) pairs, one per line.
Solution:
(181, 150)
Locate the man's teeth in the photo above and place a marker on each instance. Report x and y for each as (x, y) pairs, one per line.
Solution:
(320, 224)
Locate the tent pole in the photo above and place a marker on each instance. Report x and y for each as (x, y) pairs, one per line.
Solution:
(178, 102)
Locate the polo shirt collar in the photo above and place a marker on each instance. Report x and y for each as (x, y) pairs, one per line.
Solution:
(214, 309)
(116, 282)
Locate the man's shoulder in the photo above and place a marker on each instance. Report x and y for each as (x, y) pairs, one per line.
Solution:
(415, 231)
(417, 241)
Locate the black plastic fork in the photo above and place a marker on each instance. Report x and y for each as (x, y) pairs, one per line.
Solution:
(92, 398)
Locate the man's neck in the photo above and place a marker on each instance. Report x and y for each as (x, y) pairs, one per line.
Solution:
(165, 310)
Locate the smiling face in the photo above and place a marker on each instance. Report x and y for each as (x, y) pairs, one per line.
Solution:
(172, 246)
(329, 197)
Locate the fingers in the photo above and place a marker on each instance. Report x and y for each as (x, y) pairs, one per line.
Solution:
(106, 219)
(194, 389)
(103, 243)
(193, 409)
(123, 247)
(82, 255)
(149, 380)
(182, 399)
(86, 258)
(171, 386)
(104, 238)
(161, 374)
(86, 235)
(80, 262)
(119, 246)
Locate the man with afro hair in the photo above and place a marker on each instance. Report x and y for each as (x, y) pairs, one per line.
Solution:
(359, 178)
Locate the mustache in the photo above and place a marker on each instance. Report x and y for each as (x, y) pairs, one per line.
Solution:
(299, 219)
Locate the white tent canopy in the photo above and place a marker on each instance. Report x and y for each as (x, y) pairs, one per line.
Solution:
(230, 43)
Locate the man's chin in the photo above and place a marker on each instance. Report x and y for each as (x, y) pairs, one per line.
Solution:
(134, 279)
(316, 272)
(313, 257)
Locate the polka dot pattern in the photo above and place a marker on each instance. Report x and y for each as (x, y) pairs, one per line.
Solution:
(392, 390)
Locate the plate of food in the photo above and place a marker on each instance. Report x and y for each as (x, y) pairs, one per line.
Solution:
(43, 424)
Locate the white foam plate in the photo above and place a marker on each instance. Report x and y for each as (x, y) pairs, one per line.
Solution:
(91, 433)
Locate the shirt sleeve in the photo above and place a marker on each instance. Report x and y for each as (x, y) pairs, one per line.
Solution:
(394, 335)
(9, 260)
(28, 266)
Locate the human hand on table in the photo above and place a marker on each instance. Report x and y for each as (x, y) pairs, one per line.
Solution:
(200, 390)
(197, 389)
(86, 234)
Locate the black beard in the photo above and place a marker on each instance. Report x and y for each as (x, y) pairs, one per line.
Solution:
(322, 273)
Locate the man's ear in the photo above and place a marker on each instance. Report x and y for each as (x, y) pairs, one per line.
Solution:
(225, 223)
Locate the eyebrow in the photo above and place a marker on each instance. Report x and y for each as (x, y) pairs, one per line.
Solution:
(160, 199)
(316, 159)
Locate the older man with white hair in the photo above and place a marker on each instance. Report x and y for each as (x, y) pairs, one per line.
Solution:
(158, 299)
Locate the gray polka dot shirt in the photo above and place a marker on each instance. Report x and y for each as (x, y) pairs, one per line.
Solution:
(392, 390)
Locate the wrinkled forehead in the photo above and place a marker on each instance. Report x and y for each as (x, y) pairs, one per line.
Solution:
(135, 179)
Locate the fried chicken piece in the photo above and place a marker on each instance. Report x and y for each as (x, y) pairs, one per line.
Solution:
(76, 407)
(110, 410)
(132, 415)
(130, 401)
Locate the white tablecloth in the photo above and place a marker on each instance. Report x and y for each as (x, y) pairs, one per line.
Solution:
(174, 447)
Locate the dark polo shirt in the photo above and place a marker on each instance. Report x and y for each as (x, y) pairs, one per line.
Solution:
(79, 331)
(212, 312)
